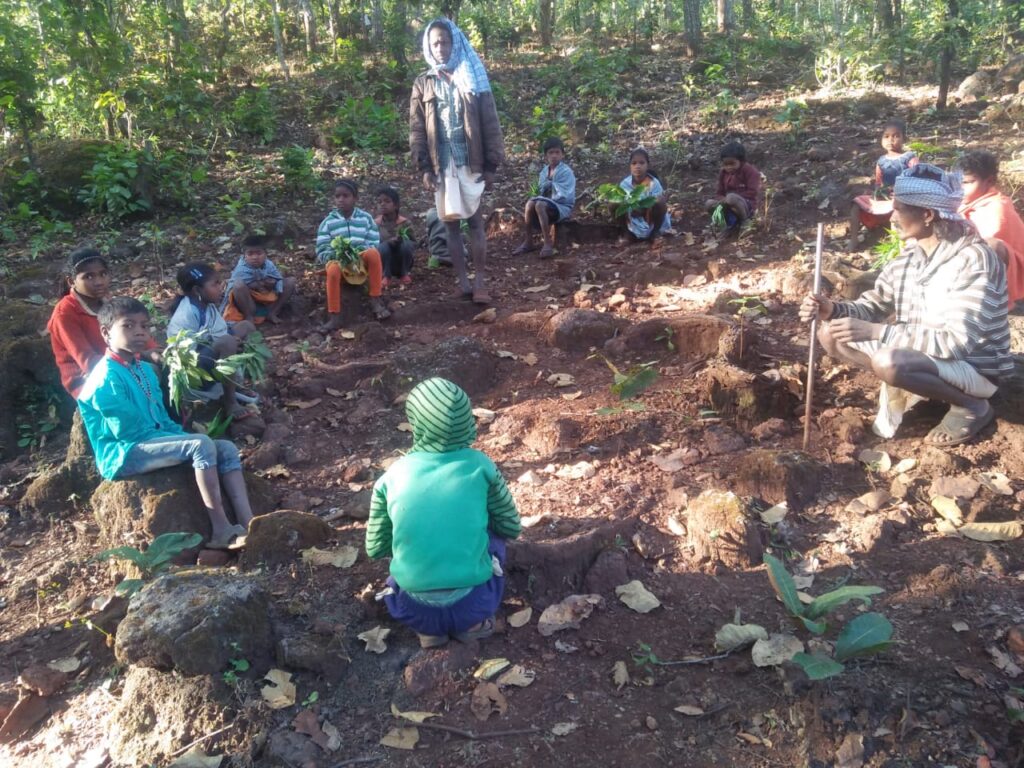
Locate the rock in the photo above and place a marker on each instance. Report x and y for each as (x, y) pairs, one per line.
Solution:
(308, 389)
(526, 322)
(777, 476)
(651, 543)
(872, 531)
(52, 493)
(29, 710)
(724, 305)
(251, 425)
(872, 501)
(720, 532)
(962, 487)
(937, 459)
(820, 154)
(901, 486)
(608, 571)
(549, 438)
(579, 330)
(194, 622)
(746, 398)
(265, 455)
(289, 748)
(770, 429)
(158, 714)
(277, 537)
(975, 86)
(693, 336)
(138, 509)
(719, 440)
(42, 680)
(1015, 639)
(213, 558)
(434, 671)
(26, 360)
(300, 651)
(1012, 72)
(460, 359)
(846, 424)
(296, 500)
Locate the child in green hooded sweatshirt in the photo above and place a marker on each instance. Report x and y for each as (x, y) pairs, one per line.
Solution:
(442, 513)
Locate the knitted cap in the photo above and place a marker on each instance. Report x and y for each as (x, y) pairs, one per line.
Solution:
(441, 417)
(928, 186)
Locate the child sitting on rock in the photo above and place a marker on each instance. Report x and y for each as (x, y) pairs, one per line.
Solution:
(356, 227)
(644, 223)
(442, 513)
(556, 186)
(397, 246)
(257, 290)
(196, 310)
(874, 211)
(131, 432)
(738, 185)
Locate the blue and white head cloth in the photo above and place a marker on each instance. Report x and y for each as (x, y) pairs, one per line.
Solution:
(467, 71)
(928, 186)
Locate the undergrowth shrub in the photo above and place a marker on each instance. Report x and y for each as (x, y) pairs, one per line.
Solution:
(365, 124)
(253, 114)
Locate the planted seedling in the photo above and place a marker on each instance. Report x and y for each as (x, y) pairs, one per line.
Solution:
(748, 305)
(630, 384)
(626, 203)
(864, 635)
(156, 559)
(237, 663)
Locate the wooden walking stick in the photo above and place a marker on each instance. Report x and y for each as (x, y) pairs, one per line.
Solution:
(812, 355)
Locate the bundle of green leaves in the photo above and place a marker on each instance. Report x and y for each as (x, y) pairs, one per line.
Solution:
(185, 374)
(346, 254)
(626, 203)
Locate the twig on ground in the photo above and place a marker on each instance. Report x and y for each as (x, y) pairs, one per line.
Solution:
(478, 736)
(681, 662)
(187, 747)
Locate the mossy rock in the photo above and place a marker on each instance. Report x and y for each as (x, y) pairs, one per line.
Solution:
(61, 166)
(26, 360)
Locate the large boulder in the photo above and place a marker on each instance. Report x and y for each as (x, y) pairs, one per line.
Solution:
(56, 492)
(159, 714)
(26, 360)
(196, 622)
(138, 509)
(1011, 73)
(975, 86)
(461, 359)
(579, 330)
(60, 168)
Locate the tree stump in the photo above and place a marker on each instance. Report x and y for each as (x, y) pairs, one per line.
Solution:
(720, 532)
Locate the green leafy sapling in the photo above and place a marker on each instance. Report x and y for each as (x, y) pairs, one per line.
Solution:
(626, 203)
(156, 559)
(866, 634)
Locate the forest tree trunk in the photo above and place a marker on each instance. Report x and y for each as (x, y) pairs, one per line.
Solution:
(691, 23)
(275, 20)
(308, 27)
(723, 16)
(949, 31)
(546, 19)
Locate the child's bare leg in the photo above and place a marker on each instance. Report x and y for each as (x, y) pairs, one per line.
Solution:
(854, 229)
(234, 484)
(209, 489)
(543, 218)
(657, 218)
(529, 214)
(243, 299)
(287, 291)
(478, 249)
(458, 253)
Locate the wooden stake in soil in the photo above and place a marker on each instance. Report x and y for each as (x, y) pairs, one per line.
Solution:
(812, 355)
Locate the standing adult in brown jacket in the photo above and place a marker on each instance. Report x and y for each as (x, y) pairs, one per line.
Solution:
(456, 143)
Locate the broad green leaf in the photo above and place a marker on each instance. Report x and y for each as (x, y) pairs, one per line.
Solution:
(783, 585)
(832, 600)
(868, 633)
(817, 666)
(167, 546)
(815, 627)
(129, 587)
(636, 382)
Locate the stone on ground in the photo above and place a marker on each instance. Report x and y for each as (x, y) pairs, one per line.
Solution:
(279, 536)
(435, 671)
(778, 476)
(580, 330)
(54, 492)
(720, 531)
(195, 622)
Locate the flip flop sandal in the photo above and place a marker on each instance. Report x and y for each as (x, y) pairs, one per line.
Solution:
(233, 539)
(521, 249)
(546, 252)
(959, 428)
(432, 641)
(485, 630)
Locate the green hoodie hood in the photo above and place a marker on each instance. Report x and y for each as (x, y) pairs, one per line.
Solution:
(441, 417)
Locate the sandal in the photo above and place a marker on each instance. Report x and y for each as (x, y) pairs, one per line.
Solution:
(380, 312)
(461, 295)
(959, 426)
(432, 641)
(481, 296)
(233, 538)
(546, 252)
(485, 630)
(524, 248)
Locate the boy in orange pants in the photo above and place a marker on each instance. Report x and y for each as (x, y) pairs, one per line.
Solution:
(358, 228)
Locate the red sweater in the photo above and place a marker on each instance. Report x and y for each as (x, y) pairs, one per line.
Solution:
(745, 181)
(77, 342)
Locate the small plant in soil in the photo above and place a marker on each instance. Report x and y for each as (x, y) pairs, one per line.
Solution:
(668, 336)
(887, 250)
(296, 166)
(863, 635)
(313, 698)
(156, 559)
(630, 384)
(748, 305)
(237, 663)
(792, 115)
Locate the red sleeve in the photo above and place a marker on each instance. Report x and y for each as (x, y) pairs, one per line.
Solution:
(720, 192)
(74, 339)
(753, 183)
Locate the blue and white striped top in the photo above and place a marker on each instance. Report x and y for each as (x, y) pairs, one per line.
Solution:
(359, 229)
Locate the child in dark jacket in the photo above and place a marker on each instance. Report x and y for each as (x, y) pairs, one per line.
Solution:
(442, 513)
(739, 183)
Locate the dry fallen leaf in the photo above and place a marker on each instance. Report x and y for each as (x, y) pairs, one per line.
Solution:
(563, 729)
(347, 334)
(505, 354)
(775, 514)
(333, 737)
(948, 509)
(775, 650)
(992, 531)
(752, 739)
(518, 676)
(636, 596)
(66, 665)
(974, 675)
(851, 752)
(405, 426)
(401, 738)
(520, 618)
(335, 392)
(303, 404)
(374, 639)
(490, 667)
(996, 482)
(412, 717)
(620, 674)
(567, 614)
(307, 722)
(686, 709)
(561, 379)
(537, 288)
(484, 415)
(960, 626)
(904, 465)
(342, 557)
(196, 758)
(488, 316)
(675, 527)
(732, 637)
(879, 460)
(1003, 661)
(281, 691)
(530, 359)
(572, 395)
(487, 700)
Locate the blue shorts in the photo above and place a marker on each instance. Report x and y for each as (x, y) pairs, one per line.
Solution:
(171, 450)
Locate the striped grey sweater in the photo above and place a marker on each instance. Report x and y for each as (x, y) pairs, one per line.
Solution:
(950, 305)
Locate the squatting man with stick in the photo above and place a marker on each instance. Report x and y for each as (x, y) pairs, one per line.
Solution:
(935, 325)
